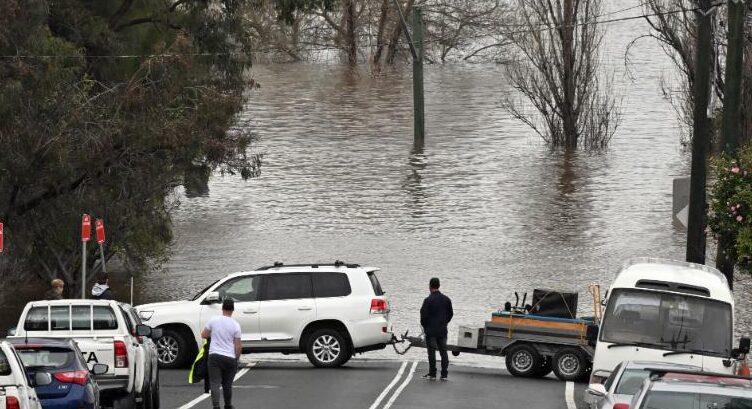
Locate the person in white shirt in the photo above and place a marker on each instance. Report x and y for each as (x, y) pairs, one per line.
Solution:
(224, 352)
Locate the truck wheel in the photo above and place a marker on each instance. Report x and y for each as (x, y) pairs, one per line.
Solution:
(545, 368)
(570, 364)
(327, 348)
(523, 360)
(172, 349)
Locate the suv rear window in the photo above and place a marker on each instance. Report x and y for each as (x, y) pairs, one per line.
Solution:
(4, 364)
(45, 357)
(331, 285)
(375, 283)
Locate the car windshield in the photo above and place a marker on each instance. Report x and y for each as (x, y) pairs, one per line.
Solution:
(45, 357)
(678, 400)
(631, 381)
(195, 297)
(668, 321)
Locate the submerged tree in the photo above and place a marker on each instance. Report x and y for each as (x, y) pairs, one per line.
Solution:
(556, 71)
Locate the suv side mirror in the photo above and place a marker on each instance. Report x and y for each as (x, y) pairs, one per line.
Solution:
(143, 330)
(99, 369)
(156, 333)
(42, 379)
(597, 390)
(212, 298)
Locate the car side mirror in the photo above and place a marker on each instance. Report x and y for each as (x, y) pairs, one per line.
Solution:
(42, 379)
(212, 298)
(99, 369)
(12, 331)
(156, 333)
(143, 330)
(597, 390)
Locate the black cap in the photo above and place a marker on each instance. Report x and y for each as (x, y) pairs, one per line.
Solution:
(228, 304)
(434, 283)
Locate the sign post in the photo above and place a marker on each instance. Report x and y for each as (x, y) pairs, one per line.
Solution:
(85, 237)
(1, 237)
(99, 226)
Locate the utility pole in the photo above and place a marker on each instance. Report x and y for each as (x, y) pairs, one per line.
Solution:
(417, 51)
(700, 135)
(732, 113)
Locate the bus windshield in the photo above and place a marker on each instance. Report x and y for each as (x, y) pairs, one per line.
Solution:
(668, 321)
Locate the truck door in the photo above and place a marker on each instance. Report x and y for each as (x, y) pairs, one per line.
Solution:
(287, 305)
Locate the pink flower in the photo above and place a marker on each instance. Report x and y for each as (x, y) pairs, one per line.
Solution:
(739, 218)
(735, 170)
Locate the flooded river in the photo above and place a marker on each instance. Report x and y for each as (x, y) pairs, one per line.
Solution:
(486, 206)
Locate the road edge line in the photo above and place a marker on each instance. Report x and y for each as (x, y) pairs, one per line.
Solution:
(205, 396)
(389, 387)
(402, 386)
(569, 395)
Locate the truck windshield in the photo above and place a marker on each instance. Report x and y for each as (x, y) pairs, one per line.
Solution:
(668, 321)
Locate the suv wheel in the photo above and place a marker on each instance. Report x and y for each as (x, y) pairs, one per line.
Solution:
(172, 349)
(327, 348)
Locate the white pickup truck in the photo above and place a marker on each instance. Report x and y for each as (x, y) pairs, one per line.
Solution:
(107, 332)
(15, 390)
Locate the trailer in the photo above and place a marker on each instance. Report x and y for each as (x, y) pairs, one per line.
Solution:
(533, 344)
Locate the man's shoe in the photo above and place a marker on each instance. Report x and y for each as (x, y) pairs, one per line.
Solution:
(444, 378)
(429, 377)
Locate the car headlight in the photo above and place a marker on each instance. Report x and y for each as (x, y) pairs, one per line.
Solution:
(145, 315)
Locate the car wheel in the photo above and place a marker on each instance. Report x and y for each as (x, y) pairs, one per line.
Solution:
(570, 364)
(172, 349)
(523, 360)
(327, 348)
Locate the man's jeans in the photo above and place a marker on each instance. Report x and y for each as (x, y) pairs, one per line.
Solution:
(222, 371)
(434, 343)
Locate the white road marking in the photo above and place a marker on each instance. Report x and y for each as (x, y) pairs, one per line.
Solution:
(389, 387)
(402, 387)
(569, 395)
(205, 396)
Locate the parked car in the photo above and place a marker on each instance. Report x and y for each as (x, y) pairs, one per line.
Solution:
(668, 311)
(71, 386)
(691, 390)
(107, 332)
(328, 311)
(625, 380)
(16, 390)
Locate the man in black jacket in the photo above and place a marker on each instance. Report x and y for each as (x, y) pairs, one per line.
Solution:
(435, 315)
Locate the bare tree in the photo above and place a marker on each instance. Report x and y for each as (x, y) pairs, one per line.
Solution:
(556, 71)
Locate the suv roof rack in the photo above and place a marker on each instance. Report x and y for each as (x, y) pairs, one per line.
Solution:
(656, 372)
(337, 263)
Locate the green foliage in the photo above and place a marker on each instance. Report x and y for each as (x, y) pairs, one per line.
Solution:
(731, 205)
(84, 132)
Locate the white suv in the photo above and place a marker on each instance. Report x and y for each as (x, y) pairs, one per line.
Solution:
(328, 311)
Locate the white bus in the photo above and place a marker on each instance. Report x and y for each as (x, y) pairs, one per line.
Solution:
(668, 311)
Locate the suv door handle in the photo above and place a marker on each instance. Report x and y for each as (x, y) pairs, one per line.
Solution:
(305, 308)
(250, 311)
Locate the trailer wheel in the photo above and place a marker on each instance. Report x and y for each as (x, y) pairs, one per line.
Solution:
(523, 360)
(547, 365)
(570, 364)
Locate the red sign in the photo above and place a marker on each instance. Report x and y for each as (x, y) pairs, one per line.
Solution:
(1, 237)
(99, 225)
(86, 228)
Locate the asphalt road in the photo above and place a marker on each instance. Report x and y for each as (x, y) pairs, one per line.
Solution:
(373, 385)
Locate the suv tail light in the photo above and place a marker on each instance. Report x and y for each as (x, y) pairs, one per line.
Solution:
(379, 306)
(77, 377)
(11, 402)
(121, 355)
